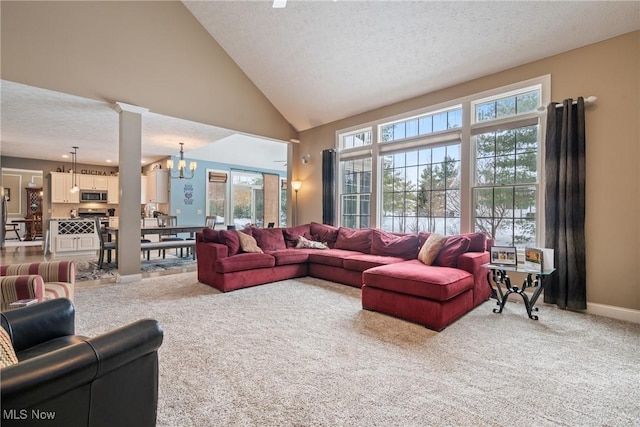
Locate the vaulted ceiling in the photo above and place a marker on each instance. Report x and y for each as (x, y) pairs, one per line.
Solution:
(321, 61)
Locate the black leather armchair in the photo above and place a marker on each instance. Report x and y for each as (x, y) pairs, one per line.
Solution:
(70, 380)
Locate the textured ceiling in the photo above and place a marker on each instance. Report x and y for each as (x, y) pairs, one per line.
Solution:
(319, 62)
(322, 61)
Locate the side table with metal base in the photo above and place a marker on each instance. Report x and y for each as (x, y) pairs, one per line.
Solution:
(499, 276)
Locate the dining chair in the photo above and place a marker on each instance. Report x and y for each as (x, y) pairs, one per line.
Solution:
(168, 221)
(104, 244)
(212, 221)
(12, 226)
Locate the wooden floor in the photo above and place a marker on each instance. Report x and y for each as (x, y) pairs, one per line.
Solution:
(16, 252)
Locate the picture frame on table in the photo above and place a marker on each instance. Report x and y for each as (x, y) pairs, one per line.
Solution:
(503, 255)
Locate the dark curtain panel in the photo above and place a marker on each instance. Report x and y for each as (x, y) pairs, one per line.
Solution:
(565, 204)
(329, 186)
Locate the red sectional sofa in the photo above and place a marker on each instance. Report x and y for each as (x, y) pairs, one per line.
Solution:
(383, 264)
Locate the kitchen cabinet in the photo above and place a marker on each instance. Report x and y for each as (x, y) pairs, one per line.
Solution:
(61, 184)
(157, 188)
(93, 182)
(113, 190)
(74, 237)
(143, 189)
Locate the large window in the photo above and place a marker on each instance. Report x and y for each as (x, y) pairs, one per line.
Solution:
(421, 190)
(506, 185)
(472, 165)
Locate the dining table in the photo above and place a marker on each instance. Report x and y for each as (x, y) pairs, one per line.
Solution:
(112, 233)
(168, 230)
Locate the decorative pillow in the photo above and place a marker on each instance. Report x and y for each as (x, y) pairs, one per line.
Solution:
(389, 244)
(354, 239)
(230, 238)
(291, 234)
(210, 235)
(452, 249)
(478, 242)
(324, 233)
(248, 243)
(7, 353)
(429, 251)
(269, 239)
(310, 244)
(422, 237)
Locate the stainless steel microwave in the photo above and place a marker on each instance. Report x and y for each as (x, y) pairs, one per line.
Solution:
(93, 196)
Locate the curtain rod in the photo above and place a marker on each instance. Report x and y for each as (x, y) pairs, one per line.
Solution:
(589, 100)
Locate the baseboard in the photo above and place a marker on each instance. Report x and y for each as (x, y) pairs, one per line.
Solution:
(614, 312)
(604, 310)
(128, 278)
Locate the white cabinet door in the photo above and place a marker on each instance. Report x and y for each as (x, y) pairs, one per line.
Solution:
(65, 243)
(92, 182)
(157, 186)
(77, 242)
(143, 190)
(61, 188)
(101, 182)
(87, 242)
(113, 191)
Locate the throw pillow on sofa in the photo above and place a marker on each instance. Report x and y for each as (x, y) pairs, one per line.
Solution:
(354, 240)
(324, 233)
(210, 235)
(230, 239)
(248, 243)
(478, 241)
(389, 244)
(431, 248)
(291, 234)
(451, 250)
(309, 244)
(269, 239)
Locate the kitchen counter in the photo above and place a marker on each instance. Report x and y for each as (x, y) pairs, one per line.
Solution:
(73, 236)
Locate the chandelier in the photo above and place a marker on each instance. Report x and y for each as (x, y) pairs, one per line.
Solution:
(182, 165)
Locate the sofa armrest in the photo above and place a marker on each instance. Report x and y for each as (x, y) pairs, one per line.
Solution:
(51, 271)
(111, 379)
(208, 253)
(38, 323)
(14, 288)
(472, 262)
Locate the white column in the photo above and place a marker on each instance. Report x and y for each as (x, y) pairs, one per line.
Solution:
(130, 154)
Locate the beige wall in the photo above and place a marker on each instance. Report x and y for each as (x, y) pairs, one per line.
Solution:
(151, 54)
(609, 70)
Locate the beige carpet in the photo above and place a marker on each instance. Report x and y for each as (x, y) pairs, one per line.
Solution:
(304, 353)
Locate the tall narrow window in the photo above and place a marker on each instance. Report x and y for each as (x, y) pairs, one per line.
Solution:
(506, 182)
(356, 193)
(217, 195)
(248, 199)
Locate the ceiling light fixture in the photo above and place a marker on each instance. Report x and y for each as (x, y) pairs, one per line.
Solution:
(74, 164)
(182, 165)
(279, 4)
